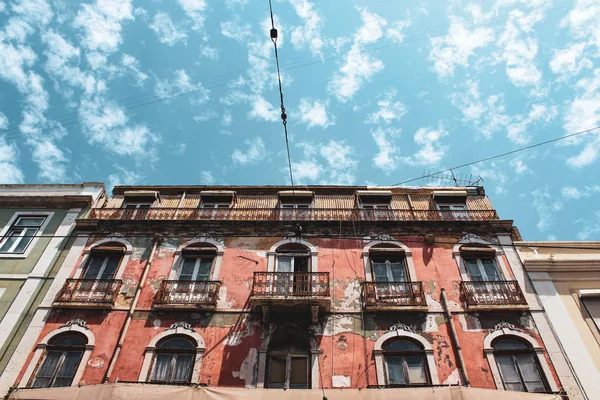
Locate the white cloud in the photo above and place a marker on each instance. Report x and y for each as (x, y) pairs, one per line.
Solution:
(307, 170)
(255, 152)
(209, 52)
(582, 22)
(132, 65)
(309, 34)
(182, 83)
(263, 110)
(3, 121)
(168, 33)
(337, 166)
(194, 9)
(457, 47)
(123, 177)
(314, 113)
(546, 207)
(431, 151)
(539, 115)
(571, 192)
(227, 118)
(9, 167)
(519, 166)
(205, 115)
(591, 230)
(51, 161)
(206, 177)
(389, 110)
(387, 158)
(101, 23)
(338, 155)
(569, 62)
(358, 67)
(233, 3)
(395, 33)
(236, 30)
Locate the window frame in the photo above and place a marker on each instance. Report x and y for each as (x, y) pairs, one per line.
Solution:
(197, 264)
(482, 270)
(64, 350)
(512, 353)
(106, 255)
(388, 267)
(460, 206)
(127, 251)
(403, 354)
(179, 258)
(173, 361)
(11, 223)
(139, 205)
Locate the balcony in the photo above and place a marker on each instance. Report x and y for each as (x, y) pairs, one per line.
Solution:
(394, 296)
(274, 290)
(493, 295)
(88, 293)
(187, 295)
(287, 214)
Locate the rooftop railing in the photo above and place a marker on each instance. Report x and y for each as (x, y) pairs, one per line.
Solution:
(88, 292)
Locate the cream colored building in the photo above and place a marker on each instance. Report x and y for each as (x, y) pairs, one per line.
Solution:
(566, 277)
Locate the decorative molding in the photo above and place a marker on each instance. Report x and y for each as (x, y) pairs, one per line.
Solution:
(402, 327)
(470, 236)
(182, 325)
(504, 325)
(205, 237)
(77, 322)
(384, 238)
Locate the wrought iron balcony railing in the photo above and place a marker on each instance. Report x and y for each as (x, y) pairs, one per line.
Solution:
(89, 292)
(187, 293)
(287, 214)
(394, 294)
(291, 284)
(493, 293)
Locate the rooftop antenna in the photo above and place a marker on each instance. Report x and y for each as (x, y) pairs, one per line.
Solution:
(449, 178)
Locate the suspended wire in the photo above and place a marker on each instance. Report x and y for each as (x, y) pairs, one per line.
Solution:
(153, 98)
(273, 34)
(557, 139)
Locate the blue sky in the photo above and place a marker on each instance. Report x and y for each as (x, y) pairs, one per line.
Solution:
(376, 91)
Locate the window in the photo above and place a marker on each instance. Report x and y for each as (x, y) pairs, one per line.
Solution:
(196, 268)
(216, 205)
(389, 267)
(288, 365)
(405, 363)
(483, 269)
(518, 366)
(592, 305)
(291, 211)
(293, 266)
(102, 265)
(136, 210)
(20, 234)
(63, 355)
(173, 360)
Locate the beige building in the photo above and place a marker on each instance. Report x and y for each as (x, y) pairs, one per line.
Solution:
(566, 277)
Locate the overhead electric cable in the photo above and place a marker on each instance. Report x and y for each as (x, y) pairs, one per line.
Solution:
(557, 139)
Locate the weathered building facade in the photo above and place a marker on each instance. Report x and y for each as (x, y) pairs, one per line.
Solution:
(320, 288)
(566, 276)
(35, 224)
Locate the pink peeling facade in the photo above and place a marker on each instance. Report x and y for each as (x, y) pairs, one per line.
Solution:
(320, 288)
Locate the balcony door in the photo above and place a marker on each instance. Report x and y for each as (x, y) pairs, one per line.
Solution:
(391, 277)
(136, 210)
(293, 267)
(294, 211)
(375, 212)
(487, 279)
(193, 279)
(98, 275)
(288, 365)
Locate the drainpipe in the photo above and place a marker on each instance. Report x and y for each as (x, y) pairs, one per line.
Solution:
(138, 290)
(459, 356)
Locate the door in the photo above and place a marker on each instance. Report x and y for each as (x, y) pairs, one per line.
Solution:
(453, 212)
(293, 276)
(98, 277)
(193, 280)
(136, 210)
(375, 212)
(391, 279)
(486, 272)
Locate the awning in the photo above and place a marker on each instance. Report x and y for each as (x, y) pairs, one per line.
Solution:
(450, 193)
(144, 391)
(141, 195)
(217, 193)
(295, 193)
(383, 193)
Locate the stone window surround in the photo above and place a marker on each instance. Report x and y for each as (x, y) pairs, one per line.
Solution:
(272, 254)
(178, 259)
(31, 245)
(380, 366)
(262, 363)
(149, 353)
(122, 264)
(412, 276)
(462, 267)
(537, 349)
(41, 348)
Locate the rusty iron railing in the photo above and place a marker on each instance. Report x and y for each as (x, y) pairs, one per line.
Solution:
(180, 293)
(291, 284)
(394, 294)
(287, 214)
(492, 293)
(89, 291)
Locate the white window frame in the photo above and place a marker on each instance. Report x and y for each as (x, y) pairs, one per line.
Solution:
(453, 206)
(462, 266)
(138, 205)
(375, 206)
(216, 205)
(9, 225)
(197, 266)
(272, 254)
(288, 366)
(88, 252)
(178, 259)
(482, 268)
(410, 267)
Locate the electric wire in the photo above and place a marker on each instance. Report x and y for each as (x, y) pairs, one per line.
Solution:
(556, 139)
(152, 100)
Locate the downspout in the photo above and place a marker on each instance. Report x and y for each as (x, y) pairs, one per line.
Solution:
(454, 336)
(138, 290)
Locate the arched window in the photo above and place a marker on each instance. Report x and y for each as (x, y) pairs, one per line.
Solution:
(518, 365)
(197, 262)
(292, 266)
(388, 263)
(480, 263)
(288, 364)
(406, 362)
(174, 358)
(61, 361)
(103, 261)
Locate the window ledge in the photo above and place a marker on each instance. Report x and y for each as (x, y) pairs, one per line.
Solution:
(13, 256)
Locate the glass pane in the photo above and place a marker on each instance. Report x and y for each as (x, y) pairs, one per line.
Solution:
(111, 267)
(491, 270)
(183, 368)
(400, 345)
(530, 373)
(35, 222)
(187, 269)
(416, 370)
(176, 343)
(69, 366)
(10, 240)
(145, 206)
(299, 373)
(380, 271)
(473, 269)
(68, 340)
(94, 266)
(441, 207)
(162, 367)
(204, 270)
(277, 372)
(301, 264)
(509, 344)
(49, 365)
(25, 240)
(509, 373)
(284, 264)
(131, 205)
(395, 371)
(398, 272)
(592, 305)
